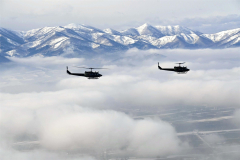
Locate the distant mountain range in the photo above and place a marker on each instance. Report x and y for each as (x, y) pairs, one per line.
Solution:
(75, 40)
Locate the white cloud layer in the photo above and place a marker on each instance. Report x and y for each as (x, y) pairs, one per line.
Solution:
(67, 114)
(237, 117)
(75, 129)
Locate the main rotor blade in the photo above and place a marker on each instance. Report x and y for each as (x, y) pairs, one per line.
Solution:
(180, 63)
(80, 67)
(90, 68)
(97, 68)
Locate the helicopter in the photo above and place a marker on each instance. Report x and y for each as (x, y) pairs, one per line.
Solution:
(179, 69)
(88, 74)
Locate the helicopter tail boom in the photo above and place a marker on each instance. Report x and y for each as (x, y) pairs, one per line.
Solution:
(166, 69)
(75, 74)
(159, 66)
(68, 71)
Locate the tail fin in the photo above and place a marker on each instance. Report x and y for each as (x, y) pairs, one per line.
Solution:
(68, 71)
(159, 66)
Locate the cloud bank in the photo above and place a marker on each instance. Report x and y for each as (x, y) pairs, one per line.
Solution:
(81, 130)
(74, 117)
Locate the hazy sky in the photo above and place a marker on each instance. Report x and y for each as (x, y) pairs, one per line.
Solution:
(204, 15)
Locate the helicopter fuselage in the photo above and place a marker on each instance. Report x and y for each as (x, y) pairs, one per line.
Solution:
(178, 69)
(89, 74)
(92, 74)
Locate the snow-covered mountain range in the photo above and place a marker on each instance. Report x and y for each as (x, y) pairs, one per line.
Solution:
(75, 40)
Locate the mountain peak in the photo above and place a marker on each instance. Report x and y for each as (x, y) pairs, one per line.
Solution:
(130, 32)
(142, 27)
(74, 25)
(82, 27)
(147, 29)
(111, 31)
(145, 25)
(175, 30)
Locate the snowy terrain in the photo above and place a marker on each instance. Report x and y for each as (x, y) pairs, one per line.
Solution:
(75, 39)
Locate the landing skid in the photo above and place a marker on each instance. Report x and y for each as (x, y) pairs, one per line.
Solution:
(182, 72)
(92, 78)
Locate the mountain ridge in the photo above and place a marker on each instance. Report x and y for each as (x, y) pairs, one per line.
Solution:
(77, 39)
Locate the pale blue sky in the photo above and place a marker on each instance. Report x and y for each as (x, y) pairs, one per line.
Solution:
(203, 15)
